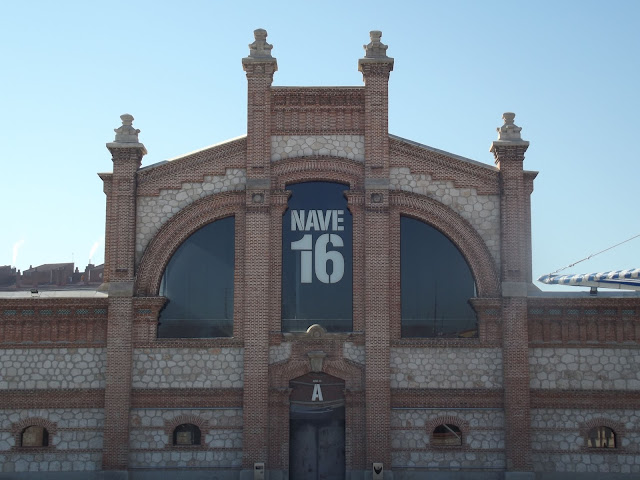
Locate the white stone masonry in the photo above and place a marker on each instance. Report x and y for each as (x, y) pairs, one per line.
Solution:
(77, 431)
(481, 211)
(482, 444)
(279, 353)
(52, 368)
(188, 368)
(354, 352)
(154, 211)
(585, 368)
(292, 146)
(446, 367)
(221, 443)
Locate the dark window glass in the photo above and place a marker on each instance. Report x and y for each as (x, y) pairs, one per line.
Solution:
(198, 283)
(186, 434)
(602, 437)
(436, 284)
(317, 277)
(446, 434)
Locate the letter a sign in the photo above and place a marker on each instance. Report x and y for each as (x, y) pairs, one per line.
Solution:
(317, 393)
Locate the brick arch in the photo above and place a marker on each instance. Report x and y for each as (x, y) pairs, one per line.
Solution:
(617, 427)
(177, 229)
(456, 229)
(316, 169)
(175, 422)
(462, 424)
(282, 373)
(19, 427)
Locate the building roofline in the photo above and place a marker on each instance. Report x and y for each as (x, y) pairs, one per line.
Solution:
(443, 152)
(209, 147)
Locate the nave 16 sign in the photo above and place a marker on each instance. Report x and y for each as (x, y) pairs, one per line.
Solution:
(317, 258)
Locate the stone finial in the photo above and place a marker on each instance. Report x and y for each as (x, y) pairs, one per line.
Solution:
(509, 132)
(375, 48)
(126, 133)
(260, 48)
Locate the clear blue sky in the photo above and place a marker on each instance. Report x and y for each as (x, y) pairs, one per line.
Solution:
(569, 69)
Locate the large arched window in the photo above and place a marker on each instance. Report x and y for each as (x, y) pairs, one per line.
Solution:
(436, 284)
(198, 283)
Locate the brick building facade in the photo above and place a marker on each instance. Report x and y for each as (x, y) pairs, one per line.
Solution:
(536, 385)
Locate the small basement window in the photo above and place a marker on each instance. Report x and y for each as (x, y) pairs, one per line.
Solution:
(601, 437)
(446, 435)
(34, 436)
(186, 434)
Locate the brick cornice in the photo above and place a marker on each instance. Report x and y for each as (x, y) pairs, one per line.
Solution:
(46, 399)
(446, 398)
(193, 167)
(440, 166)
(585, 399)
(186, 398)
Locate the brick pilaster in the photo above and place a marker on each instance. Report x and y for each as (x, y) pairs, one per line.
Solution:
(127, 154)
(375, 68)
(509, 152)
(259, 67)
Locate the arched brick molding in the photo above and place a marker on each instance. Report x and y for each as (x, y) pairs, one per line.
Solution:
(178, 229)
(18, 427)
(318, 169)
(617, 427)
(175, 422)
(281, 374)
(457, 229)
(463, 425)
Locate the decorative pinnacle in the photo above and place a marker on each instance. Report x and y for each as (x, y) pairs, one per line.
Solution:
(509, 132)
(375, 48)
(126, 133)
(260, 48)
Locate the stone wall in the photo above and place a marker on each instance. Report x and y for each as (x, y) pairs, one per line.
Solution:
(279, 353)
(153, 211)
(292, 146)
(482, 439)
(353, 352)
(151, 438)
(559, 441)
(481, 211)
(188, 368)
(585, 368)
(52, 368)
(74, 445)
(446, 368)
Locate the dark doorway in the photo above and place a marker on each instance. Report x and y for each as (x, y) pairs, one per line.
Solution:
(317, 428)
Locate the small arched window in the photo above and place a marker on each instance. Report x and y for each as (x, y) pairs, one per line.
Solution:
(601, 437)
(446, 434)
(186, 434)
(34, 436)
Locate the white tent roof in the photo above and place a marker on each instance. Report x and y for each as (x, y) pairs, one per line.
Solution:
(620, 279)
